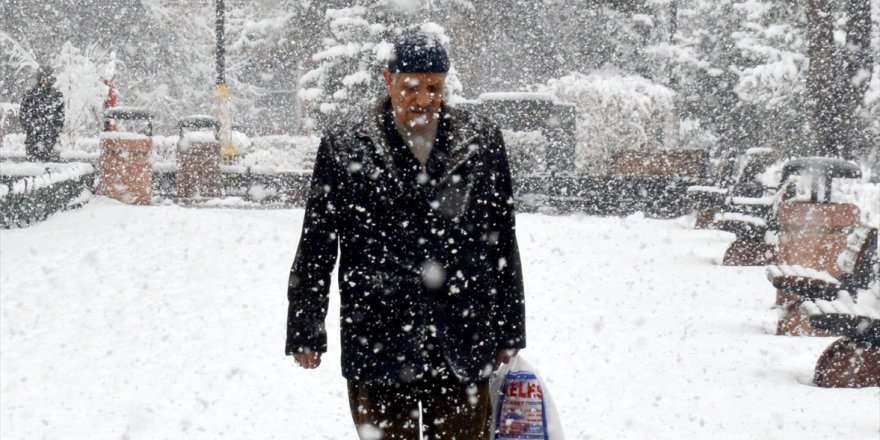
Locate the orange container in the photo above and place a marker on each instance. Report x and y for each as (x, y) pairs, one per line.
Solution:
(124, 167)
(198, 174)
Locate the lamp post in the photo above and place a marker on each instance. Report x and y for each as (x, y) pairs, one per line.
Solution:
(221, 49)
(223, 106)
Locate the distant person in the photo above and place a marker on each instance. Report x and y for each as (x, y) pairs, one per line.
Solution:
(42, 116)
(415, 199)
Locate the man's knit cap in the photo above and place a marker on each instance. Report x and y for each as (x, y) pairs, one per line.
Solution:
(417, 52)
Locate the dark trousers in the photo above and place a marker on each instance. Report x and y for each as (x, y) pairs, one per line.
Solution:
(450, 410)
(40, 147)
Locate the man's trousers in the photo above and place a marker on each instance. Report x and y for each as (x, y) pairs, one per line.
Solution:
(450, 410)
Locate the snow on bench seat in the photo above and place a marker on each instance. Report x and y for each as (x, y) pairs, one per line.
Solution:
(797, 271)
(838, 307)
(754, 201)
(843, 316)
(802, 282)
(740, 218)
(706, 189)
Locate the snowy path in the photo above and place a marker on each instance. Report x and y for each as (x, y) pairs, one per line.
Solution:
(164, 322)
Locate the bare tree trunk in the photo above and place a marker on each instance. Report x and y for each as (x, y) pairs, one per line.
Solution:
(856, 73)
(821, 77)
(837, 79)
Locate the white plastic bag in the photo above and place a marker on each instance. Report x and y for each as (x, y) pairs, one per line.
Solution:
(521, 405)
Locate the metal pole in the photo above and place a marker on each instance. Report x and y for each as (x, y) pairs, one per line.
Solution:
(673, 29)
(223, 105)
(221, 51)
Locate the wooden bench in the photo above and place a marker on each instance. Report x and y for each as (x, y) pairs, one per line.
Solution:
(735, 177)
(852, 361)
(815, 303)
(796, 284)
(751, 247)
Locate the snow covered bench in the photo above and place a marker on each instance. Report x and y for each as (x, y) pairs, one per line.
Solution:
(735, 179)
(852, 361)
(799, 288)
(754, 245)
(815, 303)
(706, 201)
(30, 192)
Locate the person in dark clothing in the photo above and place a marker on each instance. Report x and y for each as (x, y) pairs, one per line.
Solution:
(415, 199)
(42, 116)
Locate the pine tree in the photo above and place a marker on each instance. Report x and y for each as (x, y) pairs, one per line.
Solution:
(838, 76)
(347, 74)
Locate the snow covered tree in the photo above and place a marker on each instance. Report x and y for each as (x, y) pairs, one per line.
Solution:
(347, 73)
(79, 80)
(616, 111)
(739, 68)
(839, 74)
(510, 44)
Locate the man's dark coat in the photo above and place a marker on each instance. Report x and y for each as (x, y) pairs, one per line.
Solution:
(426, 258)
(42, 117)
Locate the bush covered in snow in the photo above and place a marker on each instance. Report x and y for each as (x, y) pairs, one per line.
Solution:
(8, 111)
(526, 151)
(616, 112)
(288, 153)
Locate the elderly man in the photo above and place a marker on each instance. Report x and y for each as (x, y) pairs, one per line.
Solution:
(416, 200)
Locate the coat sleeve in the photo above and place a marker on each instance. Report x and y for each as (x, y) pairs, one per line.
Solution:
(309, 283)
(26, 113)
(510, 306)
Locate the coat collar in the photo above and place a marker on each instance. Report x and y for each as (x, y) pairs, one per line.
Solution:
(460, 145)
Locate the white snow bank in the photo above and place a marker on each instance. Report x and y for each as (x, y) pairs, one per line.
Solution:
(168, 322)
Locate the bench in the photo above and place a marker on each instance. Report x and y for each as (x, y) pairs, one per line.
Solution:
(754, 244)
(796, 284)
(735, 177)
(809, 223)
(852, 361)
(815, 303)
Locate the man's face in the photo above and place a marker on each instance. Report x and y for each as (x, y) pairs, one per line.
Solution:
(415, 98)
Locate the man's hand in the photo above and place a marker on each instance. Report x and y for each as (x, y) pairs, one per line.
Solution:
(504, 357)
(308, 359)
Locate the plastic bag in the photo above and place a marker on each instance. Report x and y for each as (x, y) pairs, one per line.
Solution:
(521, 405)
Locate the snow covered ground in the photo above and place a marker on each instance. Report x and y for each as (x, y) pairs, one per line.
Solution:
(165, 322)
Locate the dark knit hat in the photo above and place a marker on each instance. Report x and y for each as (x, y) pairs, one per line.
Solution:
(417, 52)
